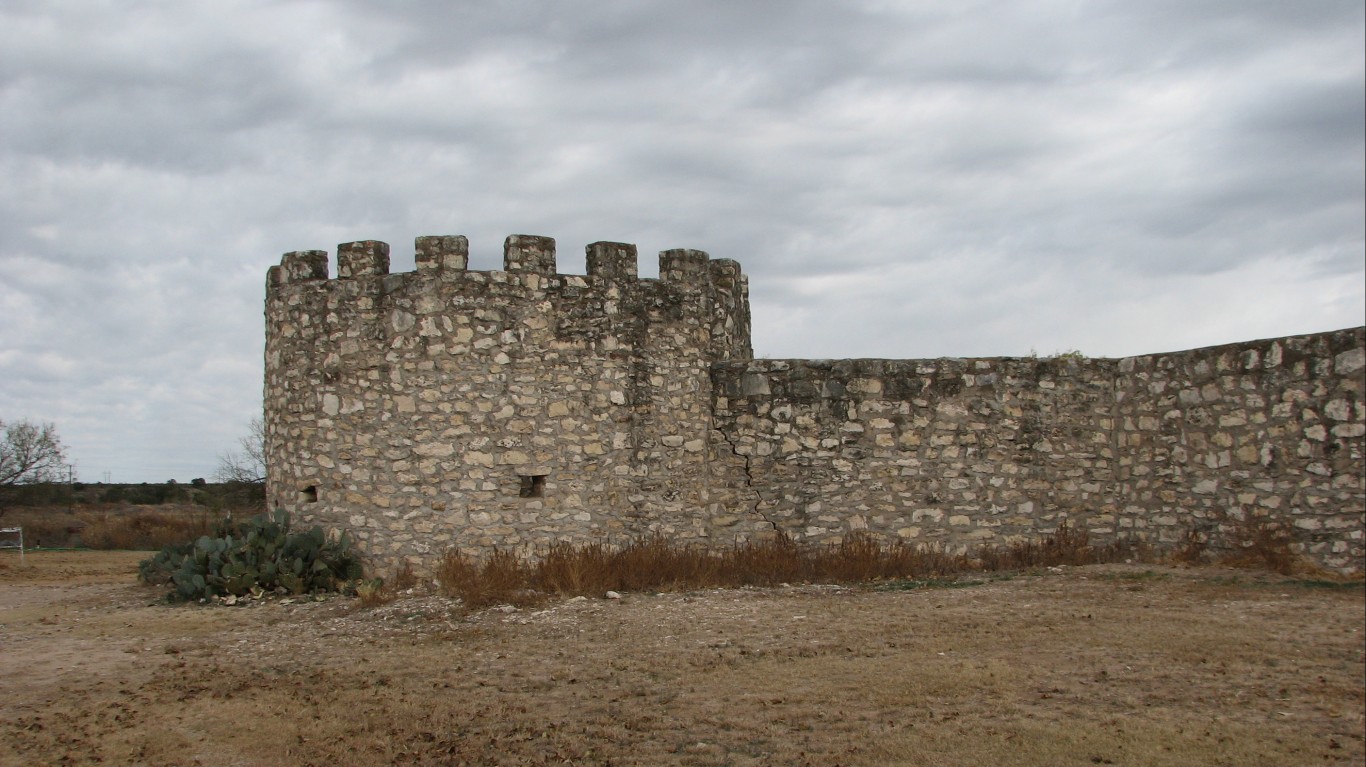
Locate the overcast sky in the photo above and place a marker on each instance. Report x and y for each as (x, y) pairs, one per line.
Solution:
(898, 179)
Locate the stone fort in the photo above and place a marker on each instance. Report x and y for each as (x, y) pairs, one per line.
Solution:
(518, 407)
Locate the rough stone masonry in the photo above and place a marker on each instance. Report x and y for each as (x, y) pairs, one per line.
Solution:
(447, 407)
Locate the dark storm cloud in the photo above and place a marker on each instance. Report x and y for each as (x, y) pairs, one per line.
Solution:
(898, 179)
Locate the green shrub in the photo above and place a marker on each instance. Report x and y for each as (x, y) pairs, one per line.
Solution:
(260, 554)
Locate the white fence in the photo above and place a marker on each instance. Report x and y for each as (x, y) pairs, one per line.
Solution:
(18, 533)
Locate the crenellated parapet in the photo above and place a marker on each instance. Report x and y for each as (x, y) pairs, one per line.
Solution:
(692, 288)
(522, 253)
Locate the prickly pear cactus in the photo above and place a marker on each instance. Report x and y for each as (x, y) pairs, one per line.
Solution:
(260, 554)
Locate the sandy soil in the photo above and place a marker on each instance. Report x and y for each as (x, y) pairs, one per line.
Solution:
(1131, 665)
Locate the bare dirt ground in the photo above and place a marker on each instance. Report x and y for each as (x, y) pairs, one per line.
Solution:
(1125, 665)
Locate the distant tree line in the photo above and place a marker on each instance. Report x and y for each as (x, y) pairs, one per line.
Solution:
(198, 492)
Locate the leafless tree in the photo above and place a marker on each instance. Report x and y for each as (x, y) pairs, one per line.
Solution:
(247, 466)
(30, 452)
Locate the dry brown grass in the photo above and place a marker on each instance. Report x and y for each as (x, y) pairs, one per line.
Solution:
(404, 576)
(1256, 542)
(141, 528)
(1192, 549)
(656, 564)
(1248, 541)
(1111, 664)
(499, 578)
(377, 592)
(373, 593)
(1066, 546)
(569, 570)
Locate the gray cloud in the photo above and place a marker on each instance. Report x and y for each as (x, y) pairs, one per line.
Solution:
(954, 178)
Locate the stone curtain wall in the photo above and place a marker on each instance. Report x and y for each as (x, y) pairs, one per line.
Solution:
(964, 451)
(514, 408)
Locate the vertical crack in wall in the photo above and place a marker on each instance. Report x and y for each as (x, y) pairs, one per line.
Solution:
(749, 478)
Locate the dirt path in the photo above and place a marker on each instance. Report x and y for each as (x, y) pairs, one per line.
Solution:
(1101, 665)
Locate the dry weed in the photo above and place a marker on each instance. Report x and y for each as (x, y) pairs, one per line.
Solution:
(1066, 546)
(500, 578)
(1192, 548)
(768, 562)
(1253, 541)
(373, 593)
(569, 570)
(404, 576)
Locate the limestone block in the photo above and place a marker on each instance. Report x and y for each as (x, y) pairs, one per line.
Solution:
(478, 458)
(1350, 361)
(1338, 410)
(514, 458)
(402, 321)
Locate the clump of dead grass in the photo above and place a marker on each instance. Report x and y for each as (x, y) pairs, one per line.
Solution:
(373, 593)
(861, 558)
(769, 562)
(1250, 541)
(1253, 541)
(1192, 549)
(1066, 546)
(499, 578)
(404, 576)
(576, 569)
(377, 592)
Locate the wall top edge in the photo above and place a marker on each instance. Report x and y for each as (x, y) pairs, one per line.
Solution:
(1339, 341)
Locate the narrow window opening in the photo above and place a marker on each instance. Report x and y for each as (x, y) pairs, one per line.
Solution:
(533, 486)
(309, 494)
